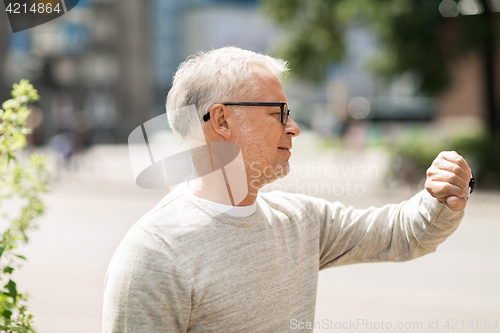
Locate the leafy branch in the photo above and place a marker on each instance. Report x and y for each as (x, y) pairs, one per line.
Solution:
(22, 181)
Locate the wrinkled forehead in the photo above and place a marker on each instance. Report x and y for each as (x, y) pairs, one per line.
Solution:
(262, 85)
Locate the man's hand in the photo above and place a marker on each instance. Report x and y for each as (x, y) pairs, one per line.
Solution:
(448, 180)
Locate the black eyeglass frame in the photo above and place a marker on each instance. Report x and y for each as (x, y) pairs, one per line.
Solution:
(285, 111)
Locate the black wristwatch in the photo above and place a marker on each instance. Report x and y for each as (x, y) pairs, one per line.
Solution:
(472, 184)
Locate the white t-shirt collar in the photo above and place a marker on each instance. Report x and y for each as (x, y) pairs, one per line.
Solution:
(237, 211)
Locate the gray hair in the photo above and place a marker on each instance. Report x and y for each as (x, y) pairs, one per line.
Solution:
(221, 75)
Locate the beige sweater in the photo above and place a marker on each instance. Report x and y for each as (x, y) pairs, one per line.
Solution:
(184, 267)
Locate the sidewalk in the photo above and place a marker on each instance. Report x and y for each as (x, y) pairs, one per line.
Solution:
(90, 210)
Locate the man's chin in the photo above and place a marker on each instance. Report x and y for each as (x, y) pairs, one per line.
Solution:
(280, 171)
(285, 169)
(260, 177)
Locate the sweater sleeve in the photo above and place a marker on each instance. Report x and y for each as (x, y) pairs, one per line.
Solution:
(395, 232)
(145, 290)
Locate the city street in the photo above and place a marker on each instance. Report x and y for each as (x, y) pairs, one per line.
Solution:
(86, 83)
(91, 208)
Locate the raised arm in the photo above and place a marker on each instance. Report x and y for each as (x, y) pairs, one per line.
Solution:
(398, 232)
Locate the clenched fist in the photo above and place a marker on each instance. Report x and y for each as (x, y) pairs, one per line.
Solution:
(448, 180)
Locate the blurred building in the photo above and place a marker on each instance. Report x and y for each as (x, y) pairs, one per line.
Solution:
(183, 28)
(91, 67)
(106, 66)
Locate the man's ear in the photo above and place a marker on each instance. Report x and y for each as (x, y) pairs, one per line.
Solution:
(219, 115)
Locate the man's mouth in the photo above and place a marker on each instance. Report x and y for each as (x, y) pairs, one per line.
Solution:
(284, 148)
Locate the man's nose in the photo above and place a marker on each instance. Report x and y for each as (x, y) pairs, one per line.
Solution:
(291, 127)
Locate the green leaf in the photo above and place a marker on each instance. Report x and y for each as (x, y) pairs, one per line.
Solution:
(20, 256)
(6, 314)
(1, 251)
(11, 287)
(8, 270)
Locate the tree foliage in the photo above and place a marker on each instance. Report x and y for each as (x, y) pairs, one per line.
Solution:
(413, 34)
(21, 181)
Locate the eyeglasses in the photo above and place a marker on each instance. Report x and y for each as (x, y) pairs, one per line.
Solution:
(285, 111)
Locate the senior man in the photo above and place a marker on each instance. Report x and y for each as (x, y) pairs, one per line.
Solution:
(202, 261)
